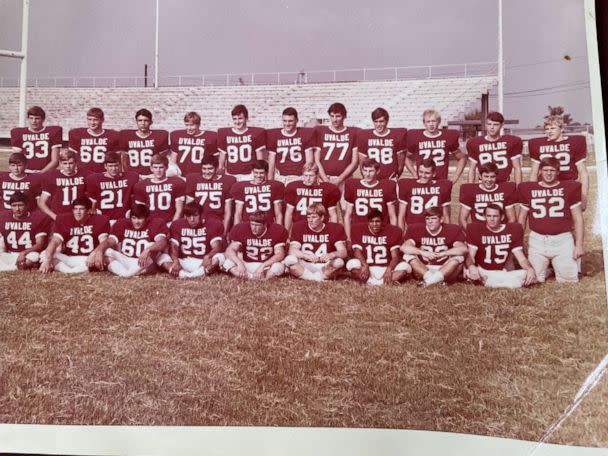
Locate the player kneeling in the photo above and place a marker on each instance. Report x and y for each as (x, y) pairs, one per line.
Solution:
(256, 248)
(434, 250)
(317, 250)
(135, 243)
(195, 245)
(490, 245)
(377, 259)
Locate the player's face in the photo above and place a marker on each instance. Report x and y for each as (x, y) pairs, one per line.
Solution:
(259, 176)
(554, 132)
(138, 222)
(19, 209)
(493, 218)
(68, 166)
(94, 123)
(36, 122)
(314, 220)
(433, 222)
(80, 213)
(425, 174)
(375, 225)
(208, 171)
(113, 169)
(488, 180)
(548, 174)
(17, 169)
(257, 228)
(192, 128)
(369, 173)
(290, 123)
(194, 221)
(431, 124)
(380, 125)
(493, 128)
(309, 178)
(337, 120)
(158, 170)
(239, 121)
(143, 124)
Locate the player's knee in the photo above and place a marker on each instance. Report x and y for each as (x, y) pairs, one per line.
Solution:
(337, 263)
(290, 260)
(353, 263)
(277, 269)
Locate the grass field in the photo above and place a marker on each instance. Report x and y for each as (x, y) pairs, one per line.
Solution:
(95, 349)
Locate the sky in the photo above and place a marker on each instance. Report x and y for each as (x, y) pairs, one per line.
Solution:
(116, 38)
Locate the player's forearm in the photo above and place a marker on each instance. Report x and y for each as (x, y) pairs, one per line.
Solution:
(401, 216)
(278, 213)
(463, 215)
(400, 163)
(517, 174)
(409, 164)
(534, 172)
(579, 228)
(276, 258)
(221, 163)
(42, 205)
(472, 172)
(392, 214)
(410, 249)
(459, 168)
(468, 259)
(158, 245)
(271, 164)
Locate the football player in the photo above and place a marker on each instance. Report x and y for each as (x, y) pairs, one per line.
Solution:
(189, 147)
(377, 258)
(553, 209)
(490, 245)
(434, 250)
(17, 180)
(256, 249)
(502, 150)
(39, 144)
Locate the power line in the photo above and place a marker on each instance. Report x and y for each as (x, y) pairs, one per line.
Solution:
(560, 86)
(544, 62)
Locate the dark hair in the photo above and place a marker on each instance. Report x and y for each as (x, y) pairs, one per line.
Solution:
(258, 217)
(140, 211)
(289, 111)
(143, 112)
(112, 157)
(496, 207)
(379, 112)
(428, 163)
(210, 160)
(17, 157)
(337, 108)
(374, 213)
(260, 164)
(495, 117)
(192, 208)
(19, 197)
(82, 201)
(96, 112)
(489, 167)
(240, 109)
(36, 111)
(433, 211)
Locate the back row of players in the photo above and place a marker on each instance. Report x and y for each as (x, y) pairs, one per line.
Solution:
(108, 170)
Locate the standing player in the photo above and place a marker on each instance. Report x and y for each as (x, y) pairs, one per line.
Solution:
(417, 195)
(258, 195)
(553, 208)
(76, 244)
(240, 145)
(212, 191)
(435, 144)
(93, 143)
(434, 250)
(289, 148)
(189, 147)
(362, 195)
(383, 144)
(256, 249)
(490, 245)
(23, 233)
(17, 180)
(138, 146)
(502, 150)
(475, 197)
(377, 258)
(39, 144)
(571, 151)
(317, 250)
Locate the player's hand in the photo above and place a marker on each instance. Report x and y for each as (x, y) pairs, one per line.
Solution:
(387, 277)
(583, 202)
(241, 271)
(95, 261)
(579, 251)
(259, 274)
(175, 268)
(474, 274)
(530, 277)
(46, 267)
(428, 255)
(325, 258)
(207, 263)
(21, 261)
(311, 257)
(143, 258)
(364, 272)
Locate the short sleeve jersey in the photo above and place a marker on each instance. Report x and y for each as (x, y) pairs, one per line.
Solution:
(112, 195)
(319, 242)
(257, 249)
(21, 234)
(492, 248)
(258, 197)
(377, 247)
(336, 148)
(437, 148)
(300, 197)
(160, 197)
(571, 151)
(364, 197)
(289, 150)
(63, 189)
(240, 148)
(91, 149)
(195, 242)
(212, 194)
(37, 145)
(420, 196)
(140, 150)
(501, 152)
(385, 149)
(549, 207)
(80, 238)
(133, 242)
(476, 197)
(441, 241)
(29, 184)
(192, 149)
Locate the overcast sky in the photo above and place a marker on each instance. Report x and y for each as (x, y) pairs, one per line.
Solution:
(116, 38)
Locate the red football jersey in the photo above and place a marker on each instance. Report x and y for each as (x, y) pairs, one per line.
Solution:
(192, 149)
(384, 149)
(570, 151)
(501, 152)
(30, 185)
(240, 148)
(376, 247)
(195, 242)
(258, 249)
(420, 197)
(211, 194)
(21, 234)
(63, 189)
(140, 150)
(319, 242)
(441, 241)
(80, 238)
(289, 149)
(438, 148)
(300, 196)
(37, 145)
(112, 196)
(133, 242)
(160, 197)
(476, 197)
(336, 148)
(492, 248)
(549, 207)
(91, 149)
(364, 197)
(258, 197)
